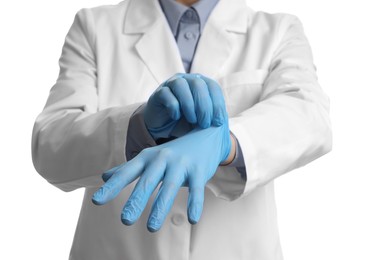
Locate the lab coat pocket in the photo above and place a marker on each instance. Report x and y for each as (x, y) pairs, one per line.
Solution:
(242, 89)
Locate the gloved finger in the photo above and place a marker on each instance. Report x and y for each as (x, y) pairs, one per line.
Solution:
(202, 100)
(123, 176)
(195, 199)
(165, 198)
(217, 99)
(146, 185)
(107, 174)
(180, 88)
(167, 99)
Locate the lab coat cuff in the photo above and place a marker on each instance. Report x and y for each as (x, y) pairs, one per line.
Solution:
(227, 183)
(250, 156)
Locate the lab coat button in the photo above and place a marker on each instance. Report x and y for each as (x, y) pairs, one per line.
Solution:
(177, 219)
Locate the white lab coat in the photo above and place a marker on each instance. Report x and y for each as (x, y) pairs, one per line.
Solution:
(114, 57)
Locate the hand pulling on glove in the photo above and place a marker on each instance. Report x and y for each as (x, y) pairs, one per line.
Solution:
(191, 98)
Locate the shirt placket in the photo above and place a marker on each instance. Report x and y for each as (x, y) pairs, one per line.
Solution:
(188, 36)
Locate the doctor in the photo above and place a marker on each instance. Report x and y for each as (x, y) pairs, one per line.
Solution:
(166, 98)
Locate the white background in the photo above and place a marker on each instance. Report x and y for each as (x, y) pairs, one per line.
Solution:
(324, 208)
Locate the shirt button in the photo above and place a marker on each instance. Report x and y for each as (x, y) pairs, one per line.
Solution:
(177, 219)
(189, 35)
(189, 14)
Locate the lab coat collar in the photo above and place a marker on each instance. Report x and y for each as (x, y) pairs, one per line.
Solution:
(157, 46)
(216, 42)
(232, 15)
(141, 15)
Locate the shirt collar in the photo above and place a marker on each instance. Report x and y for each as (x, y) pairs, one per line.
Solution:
(174, 11)
(204, 8)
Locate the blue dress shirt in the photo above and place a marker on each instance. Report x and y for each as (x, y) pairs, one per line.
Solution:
(186, 24)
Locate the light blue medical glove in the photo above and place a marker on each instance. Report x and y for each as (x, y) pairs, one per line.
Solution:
(190, 160)
(183, 102)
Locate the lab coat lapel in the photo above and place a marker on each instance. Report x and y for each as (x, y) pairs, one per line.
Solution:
(216, 41)
(156, 46)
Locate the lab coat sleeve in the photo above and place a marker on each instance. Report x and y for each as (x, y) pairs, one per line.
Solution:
(73, 141)
(289, 126)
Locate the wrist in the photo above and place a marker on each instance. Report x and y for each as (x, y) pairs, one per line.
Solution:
(232, 152)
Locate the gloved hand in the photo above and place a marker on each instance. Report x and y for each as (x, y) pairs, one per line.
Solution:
(183, 101)
(190, 160)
